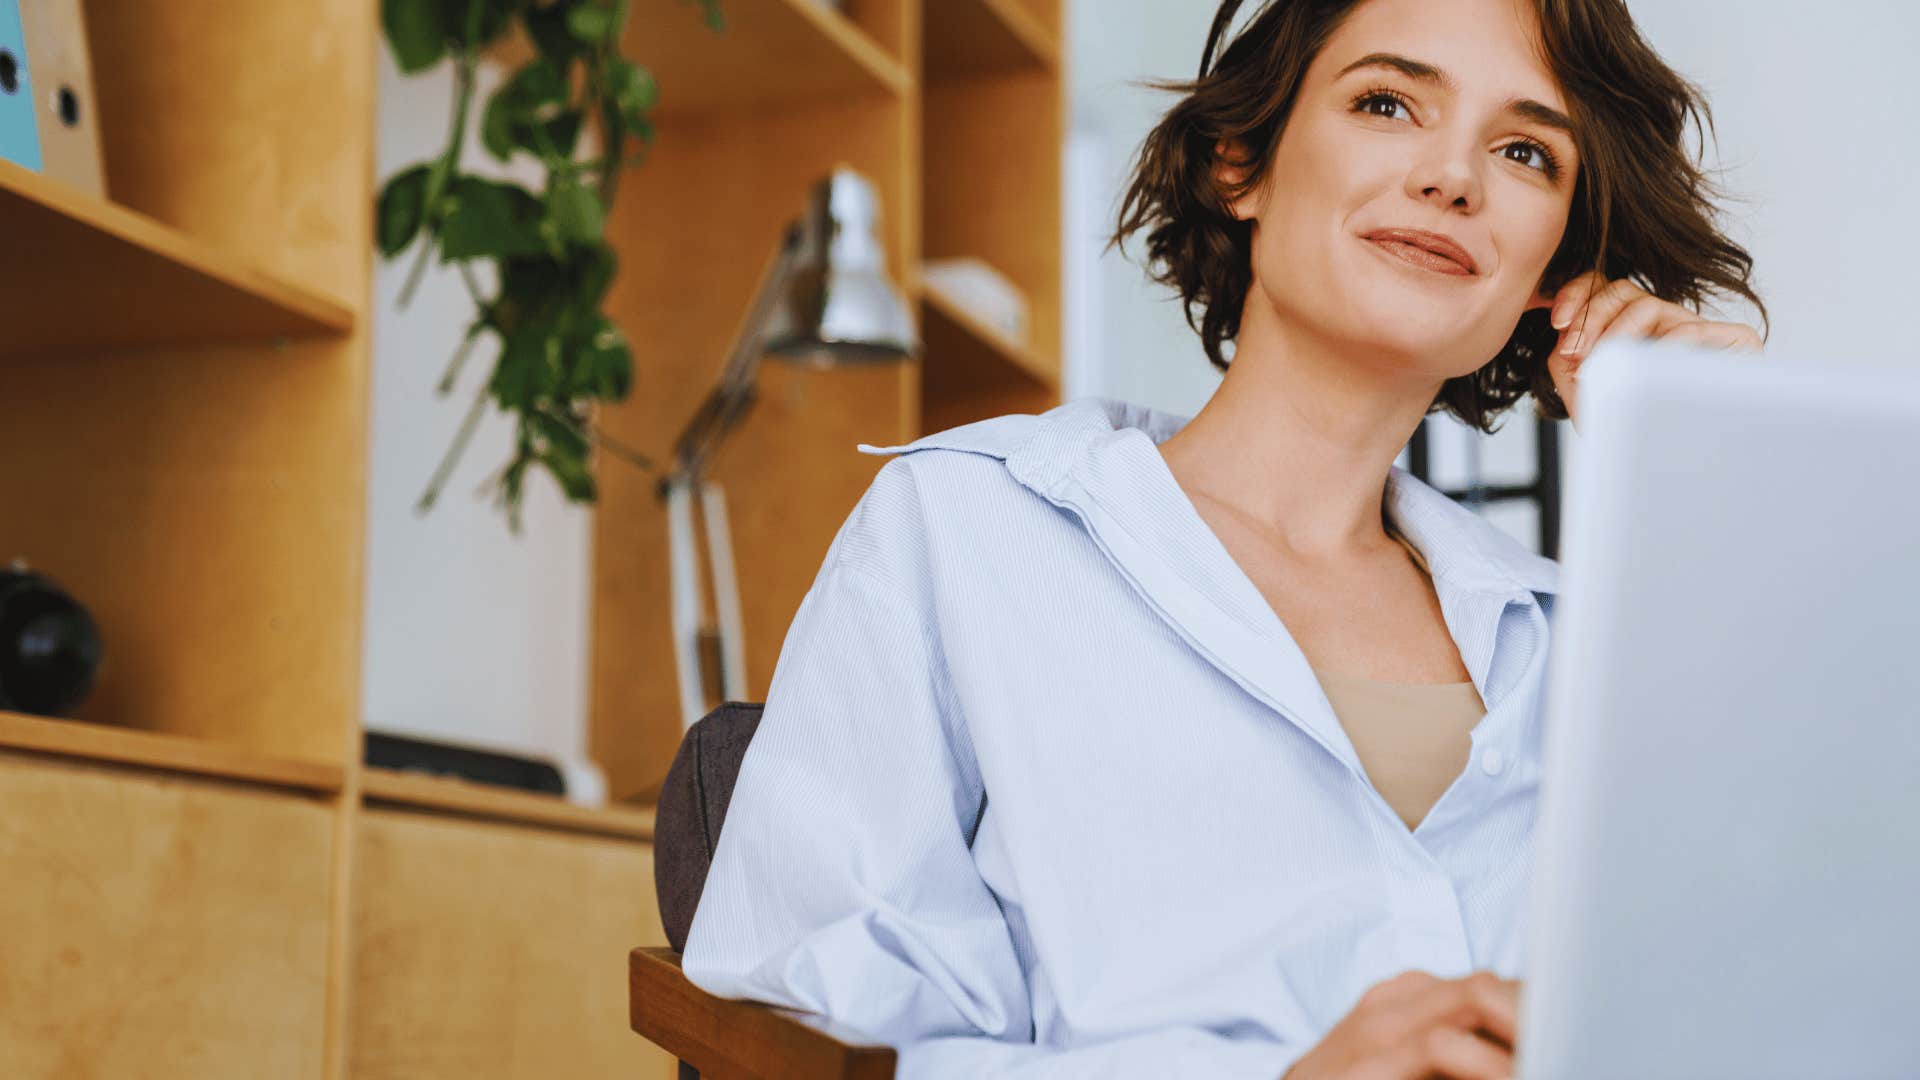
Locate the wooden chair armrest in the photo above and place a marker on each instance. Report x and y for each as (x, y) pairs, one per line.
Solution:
(724, 1038)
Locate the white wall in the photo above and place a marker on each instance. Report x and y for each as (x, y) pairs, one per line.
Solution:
(473, 635)
(1815, 138)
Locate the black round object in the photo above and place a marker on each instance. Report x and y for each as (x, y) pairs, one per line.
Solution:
(9, 72)
(49, 646)
(69, 107)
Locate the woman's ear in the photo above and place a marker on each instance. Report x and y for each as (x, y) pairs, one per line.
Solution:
(1231, 165)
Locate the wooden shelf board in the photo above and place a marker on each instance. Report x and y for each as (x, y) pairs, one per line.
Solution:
(468, 799)
(947, 319)
(771, 53)
(970, 37)
(83, 271)
(163, 750)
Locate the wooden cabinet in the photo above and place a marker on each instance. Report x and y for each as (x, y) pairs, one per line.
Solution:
(490, 949)
(153, 924)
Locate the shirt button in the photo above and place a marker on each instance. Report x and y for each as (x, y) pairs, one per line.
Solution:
(1492, 761)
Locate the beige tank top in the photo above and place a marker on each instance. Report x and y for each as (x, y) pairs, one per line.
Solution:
(1412, 738)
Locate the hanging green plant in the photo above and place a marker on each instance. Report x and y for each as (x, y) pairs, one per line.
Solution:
(559, 353)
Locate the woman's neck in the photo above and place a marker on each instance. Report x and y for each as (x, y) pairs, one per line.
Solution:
(1299, 437)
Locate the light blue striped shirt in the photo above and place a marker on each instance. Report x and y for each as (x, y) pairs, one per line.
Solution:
(1044, 788)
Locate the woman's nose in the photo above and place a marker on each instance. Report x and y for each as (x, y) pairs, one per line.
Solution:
(1447, 177)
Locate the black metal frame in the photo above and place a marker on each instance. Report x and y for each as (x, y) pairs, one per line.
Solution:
(1544, 488)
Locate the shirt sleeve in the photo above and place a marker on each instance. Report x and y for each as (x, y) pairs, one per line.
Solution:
(843, 883)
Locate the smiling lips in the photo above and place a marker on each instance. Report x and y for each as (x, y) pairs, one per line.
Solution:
(1429, 251)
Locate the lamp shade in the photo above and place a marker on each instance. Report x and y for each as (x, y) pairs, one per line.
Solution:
(838, 306)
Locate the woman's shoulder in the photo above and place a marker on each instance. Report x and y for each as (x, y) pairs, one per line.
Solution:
(972, 487)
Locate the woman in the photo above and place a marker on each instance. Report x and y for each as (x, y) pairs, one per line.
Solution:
(1113, 744)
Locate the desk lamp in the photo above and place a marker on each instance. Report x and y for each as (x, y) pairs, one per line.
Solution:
(823, 300)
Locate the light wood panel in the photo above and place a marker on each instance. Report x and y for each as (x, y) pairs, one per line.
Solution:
(1008, 216)
(972, 36)
(489, 951)
(966, 341)
(180, 753)
(81, 271)
(772, 53)
(207, 503)
(966, 377)
(159, 926)
(502, 804)
(695, 226)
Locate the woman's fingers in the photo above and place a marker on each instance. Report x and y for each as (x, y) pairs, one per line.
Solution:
(1645, 316)
(1597, 316)
(1572, 296)
(1719, 335)
(1461, 1055)
(1480, 1000)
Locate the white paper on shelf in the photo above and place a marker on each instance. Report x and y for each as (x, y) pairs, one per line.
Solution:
(983, 292)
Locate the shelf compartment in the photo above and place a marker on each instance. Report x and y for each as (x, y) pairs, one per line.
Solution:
(467, 799)
(773, 53)
(161, 750)
(969, 37)
(950, 327)
(972, 371)
(85, 272)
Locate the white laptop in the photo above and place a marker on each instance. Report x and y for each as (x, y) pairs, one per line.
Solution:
(1727, 874)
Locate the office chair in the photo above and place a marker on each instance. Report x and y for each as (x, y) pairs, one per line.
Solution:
(718, 1038)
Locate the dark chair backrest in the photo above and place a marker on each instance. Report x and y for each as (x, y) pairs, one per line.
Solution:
(693, 806)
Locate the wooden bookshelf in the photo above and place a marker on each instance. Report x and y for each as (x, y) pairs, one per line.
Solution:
(966, 155)
(84, 272)
(170, 753)
(203, 866)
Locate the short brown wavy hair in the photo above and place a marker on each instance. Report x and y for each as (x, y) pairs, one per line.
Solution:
(1643, 208)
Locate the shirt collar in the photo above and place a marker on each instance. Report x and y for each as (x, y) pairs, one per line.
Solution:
(1077, 447)
(1099, 457)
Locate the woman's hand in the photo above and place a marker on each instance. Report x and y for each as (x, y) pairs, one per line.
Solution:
(1590, 309)
(1415, 1026)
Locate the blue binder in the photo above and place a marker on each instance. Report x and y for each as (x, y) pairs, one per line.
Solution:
(19, 138)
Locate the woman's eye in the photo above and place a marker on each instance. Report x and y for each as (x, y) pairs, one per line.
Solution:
(1383, 105)
(1530, 155)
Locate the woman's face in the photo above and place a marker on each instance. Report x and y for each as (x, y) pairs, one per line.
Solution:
(1436, 116)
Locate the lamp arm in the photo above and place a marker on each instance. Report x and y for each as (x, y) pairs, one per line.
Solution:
(727, 402)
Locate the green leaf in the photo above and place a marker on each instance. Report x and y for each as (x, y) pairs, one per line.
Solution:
(415, 31)
(591, 23)
(563, 133)
(608, 363)
(401, 209)
(497, 124)
(593, 273)
(559, 433)
(475, 24)
(571, 470)
(632, 88)
(516, 376)
(485, 219)
(547, 26)
(535, 94)
(577, 212)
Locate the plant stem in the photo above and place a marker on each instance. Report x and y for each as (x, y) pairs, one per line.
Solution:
(414, 275)
(463, 66)
(453, 454)
(459, 360)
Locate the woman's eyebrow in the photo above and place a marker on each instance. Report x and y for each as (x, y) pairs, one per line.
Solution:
(1525, 108)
